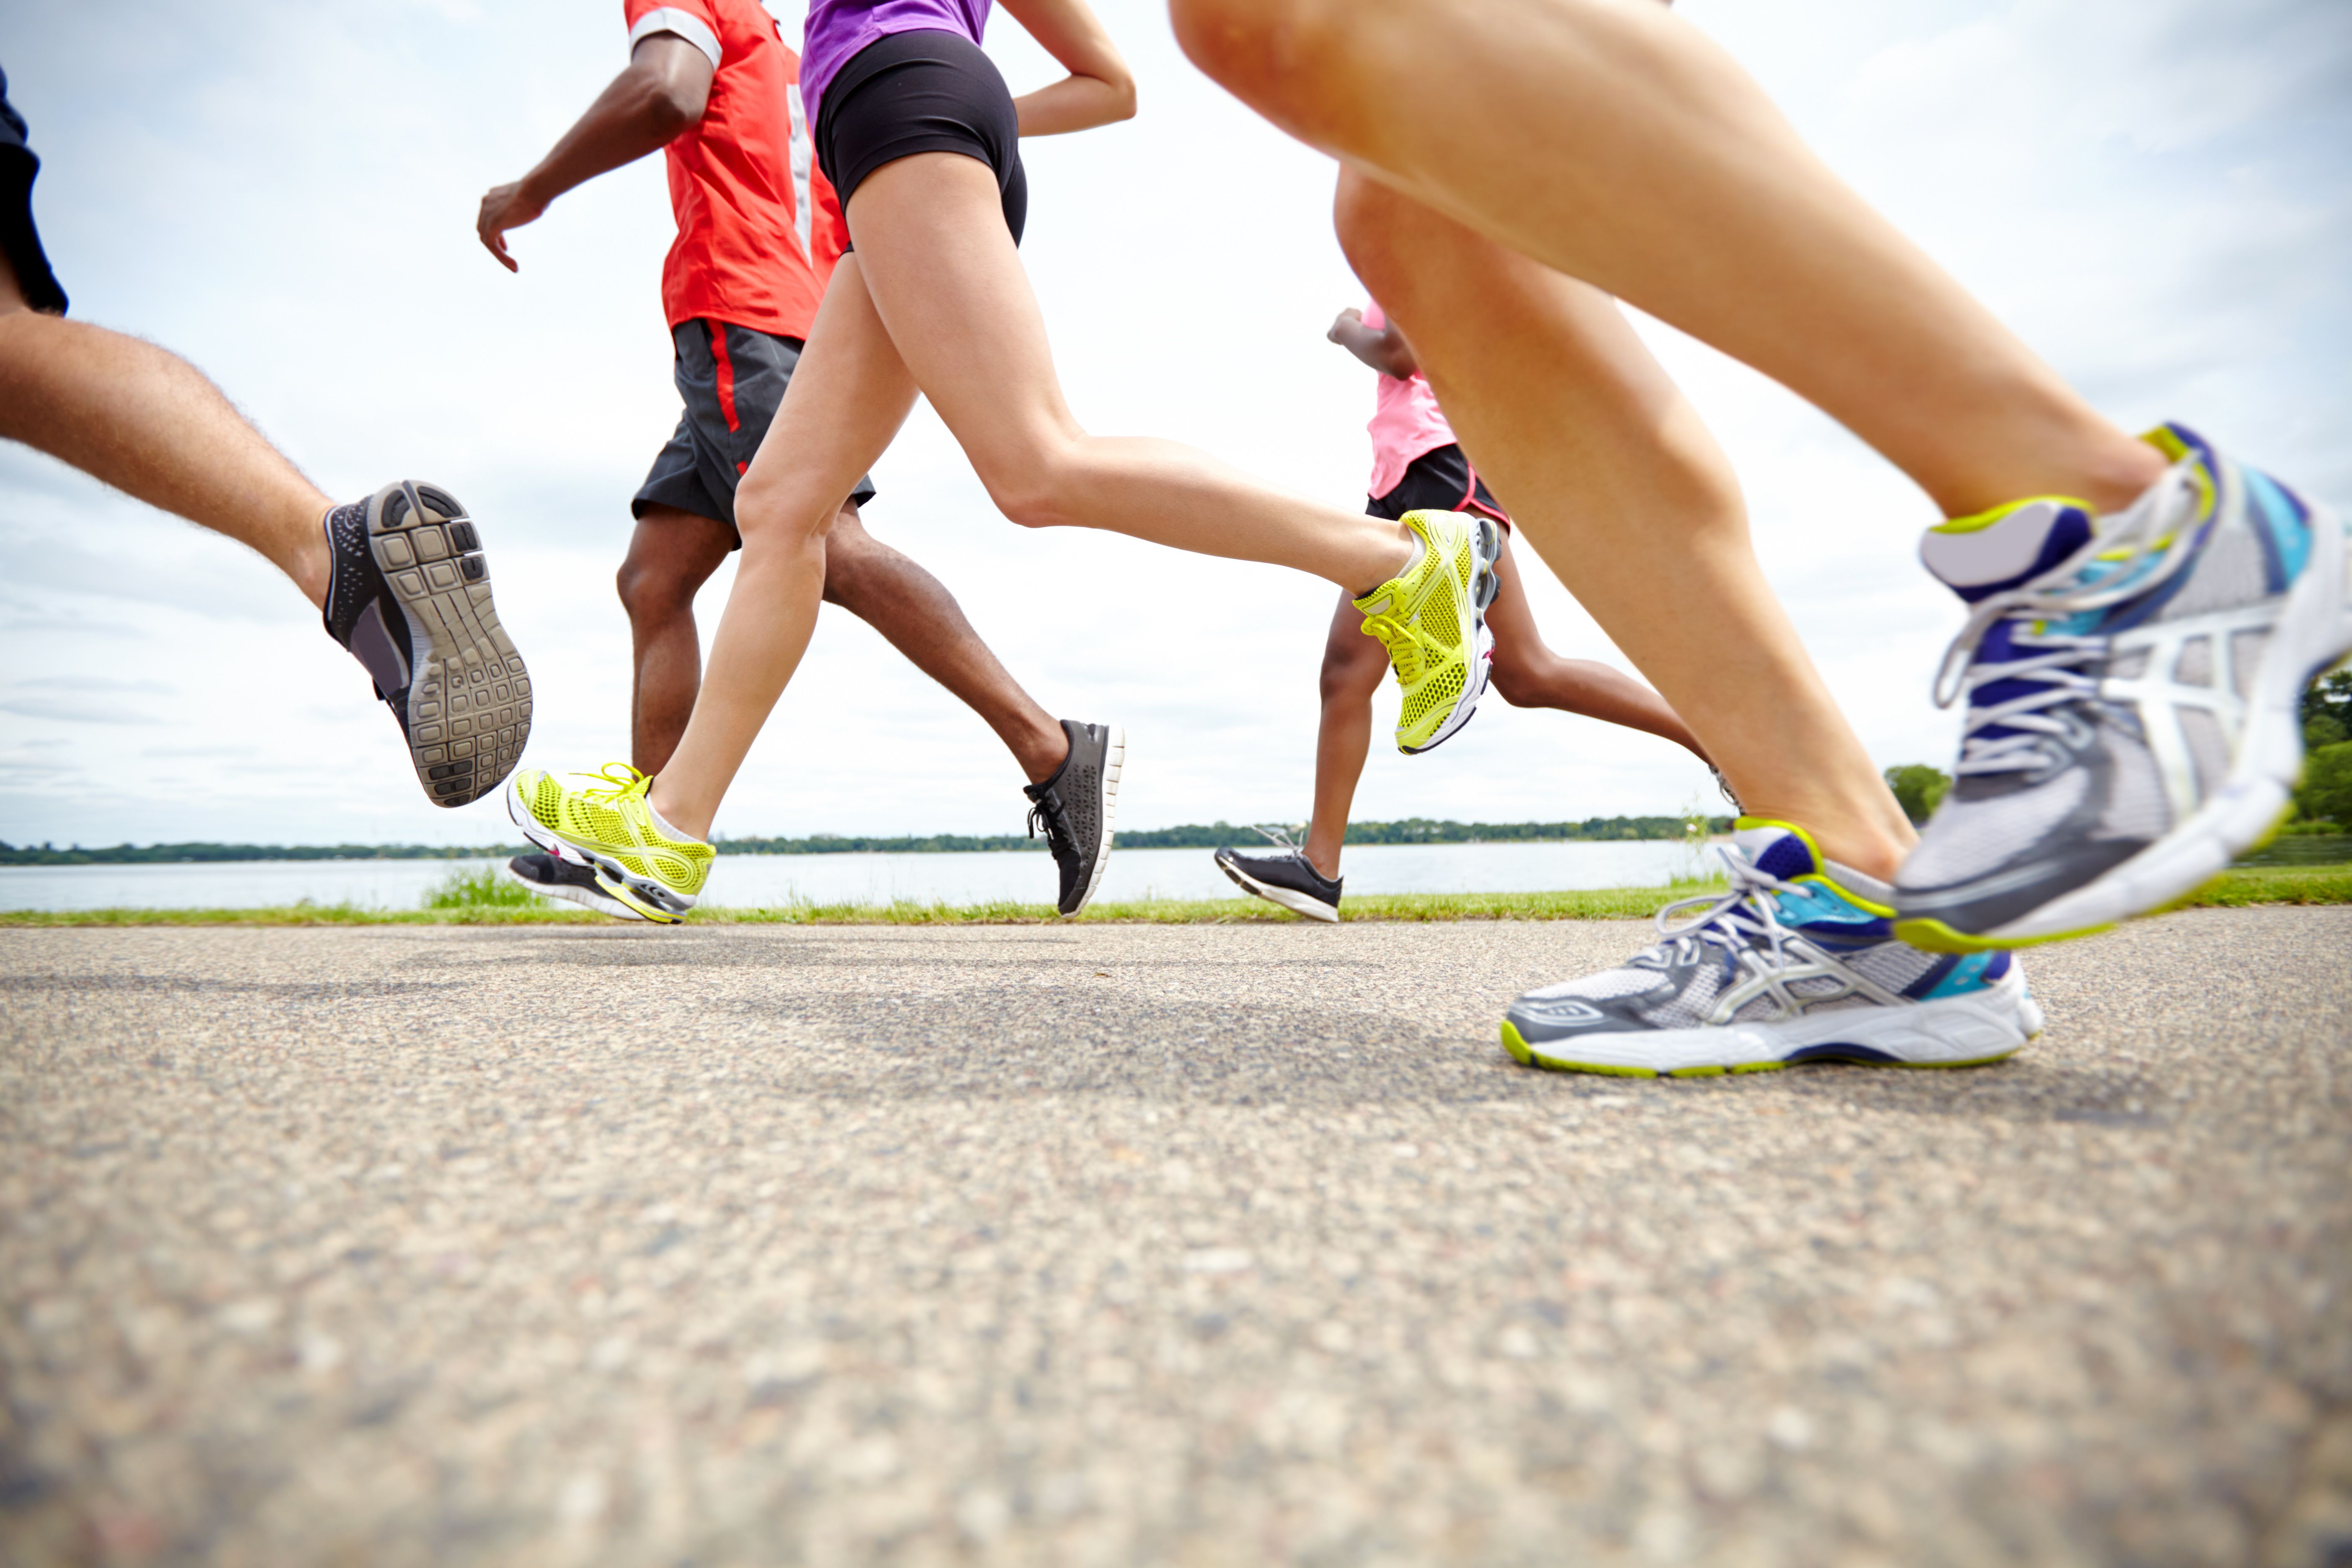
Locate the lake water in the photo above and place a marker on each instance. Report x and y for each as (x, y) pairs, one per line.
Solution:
(756, 879)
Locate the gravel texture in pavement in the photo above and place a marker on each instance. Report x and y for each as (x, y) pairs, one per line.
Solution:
(1127, 1245)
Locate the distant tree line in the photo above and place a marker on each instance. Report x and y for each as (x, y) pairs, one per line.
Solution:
(1412, 830)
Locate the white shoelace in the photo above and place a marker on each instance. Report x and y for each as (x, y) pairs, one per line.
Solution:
(2161, 529)
(1733, 920)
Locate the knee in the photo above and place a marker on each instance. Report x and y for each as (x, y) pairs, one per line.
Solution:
(1033, 487)
(770, 515)
(1259, 50)
(1353, 675)
(652, 588)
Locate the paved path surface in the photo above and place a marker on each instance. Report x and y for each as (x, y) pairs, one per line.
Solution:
(1131, 1245)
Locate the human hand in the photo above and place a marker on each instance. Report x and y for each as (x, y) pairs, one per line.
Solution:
(1350, 317)
(505, 207)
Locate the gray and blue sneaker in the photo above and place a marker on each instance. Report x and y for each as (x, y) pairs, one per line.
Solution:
(2133, 683)
(1285, 877)
(1795, 963)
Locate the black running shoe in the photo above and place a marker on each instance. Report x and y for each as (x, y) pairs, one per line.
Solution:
(1074, 808)
(1284, 876)
(410, 598)
(554, 879)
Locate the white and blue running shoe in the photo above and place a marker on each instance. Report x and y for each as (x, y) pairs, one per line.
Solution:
(1796, 962)
(2132, 684)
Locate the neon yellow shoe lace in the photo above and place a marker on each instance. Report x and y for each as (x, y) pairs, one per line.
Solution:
(623, 781)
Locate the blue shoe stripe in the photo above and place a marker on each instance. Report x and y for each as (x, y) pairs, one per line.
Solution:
(2284, 524)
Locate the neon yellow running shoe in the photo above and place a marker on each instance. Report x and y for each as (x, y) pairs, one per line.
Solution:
(613, 831)
(1433, 621)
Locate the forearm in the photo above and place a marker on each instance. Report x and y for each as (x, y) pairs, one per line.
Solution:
(1381, 350)
(633, 117)
(1074, 104)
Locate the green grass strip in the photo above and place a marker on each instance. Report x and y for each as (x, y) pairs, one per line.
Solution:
(2237, 888)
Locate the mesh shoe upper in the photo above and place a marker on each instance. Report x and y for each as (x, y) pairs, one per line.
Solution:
(1428, 620)
(616, 824)
(2109, 662)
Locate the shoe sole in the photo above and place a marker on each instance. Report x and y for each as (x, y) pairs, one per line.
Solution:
(2314, 630)
(1106, 802)
(1955, 1031)
(646, 898)
(1298, 903)
(1485, 548)
(469, 694)
(587, 898)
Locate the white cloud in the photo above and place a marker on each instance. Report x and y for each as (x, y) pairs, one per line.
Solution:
(2152, 191)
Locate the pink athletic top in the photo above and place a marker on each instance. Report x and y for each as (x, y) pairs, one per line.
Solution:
(836, 29)
(1406, 421)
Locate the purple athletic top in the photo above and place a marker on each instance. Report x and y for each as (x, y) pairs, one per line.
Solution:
(836, 29)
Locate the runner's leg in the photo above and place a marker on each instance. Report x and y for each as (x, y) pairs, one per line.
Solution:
(849, 394)
(150, 424)
(671, 556)
(1527, 674)
(1353, 666)
(1616, 484)
(946, 277)
(916, 614)
(1640, 159)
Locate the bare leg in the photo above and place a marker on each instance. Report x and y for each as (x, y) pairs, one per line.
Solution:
(1353, 666)
(946, 279)
(1527, 674)
(847, 398)
(934, 296)
(148, 423)
(1614, 142)
(920, 618)
(671, 556)
(1616, 483)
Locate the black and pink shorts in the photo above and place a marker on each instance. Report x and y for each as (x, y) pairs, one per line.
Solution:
(1439, 480)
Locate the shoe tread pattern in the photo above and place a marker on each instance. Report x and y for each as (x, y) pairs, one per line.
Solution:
(470, 698)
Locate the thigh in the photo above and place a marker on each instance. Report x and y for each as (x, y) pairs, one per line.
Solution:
(849, 394)
(946, 279)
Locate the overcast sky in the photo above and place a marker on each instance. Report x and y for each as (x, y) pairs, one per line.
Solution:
(2155, 192)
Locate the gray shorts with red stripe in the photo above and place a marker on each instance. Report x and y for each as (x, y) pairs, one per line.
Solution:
(732, 380)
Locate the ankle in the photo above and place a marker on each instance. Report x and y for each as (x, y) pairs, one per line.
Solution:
(1041, 749)
(677, 815)
(312, 563)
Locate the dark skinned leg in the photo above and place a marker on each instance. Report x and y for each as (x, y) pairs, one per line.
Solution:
(1353, 666)
(1527, 673)
(915, 614)
(671, 556)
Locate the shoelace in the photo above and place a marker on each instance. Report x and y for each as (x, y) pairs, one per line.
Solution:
(1733, 920)
(1054, 818)
(2162, 530)
(1277, 837)
(622, 781)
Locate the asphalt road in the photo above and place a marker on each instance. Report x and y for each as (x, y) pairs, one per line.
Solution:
(1126, 1245)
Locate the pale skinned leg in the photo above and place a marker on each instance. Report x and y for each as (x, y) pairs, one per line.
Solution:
(945, 276)
(1614, 142)
(1616, 483)
(1526, 674)
(849, 393)
(148, 423)
(935, 263)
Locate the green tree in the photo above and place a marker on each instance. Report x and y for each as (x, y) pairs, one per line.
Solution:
(2330, 697)
(1918, 789)
(2326, 792)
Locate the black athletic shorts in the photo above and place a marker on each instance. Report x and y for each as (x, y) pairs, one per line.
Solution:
(1440, 481)
(732, 379)
(20, 242)
(921, 92)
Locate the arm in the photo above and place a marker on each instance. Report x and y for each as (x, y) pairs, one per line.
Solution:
(659, 97)
(1385, 350)
(1099, 88)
